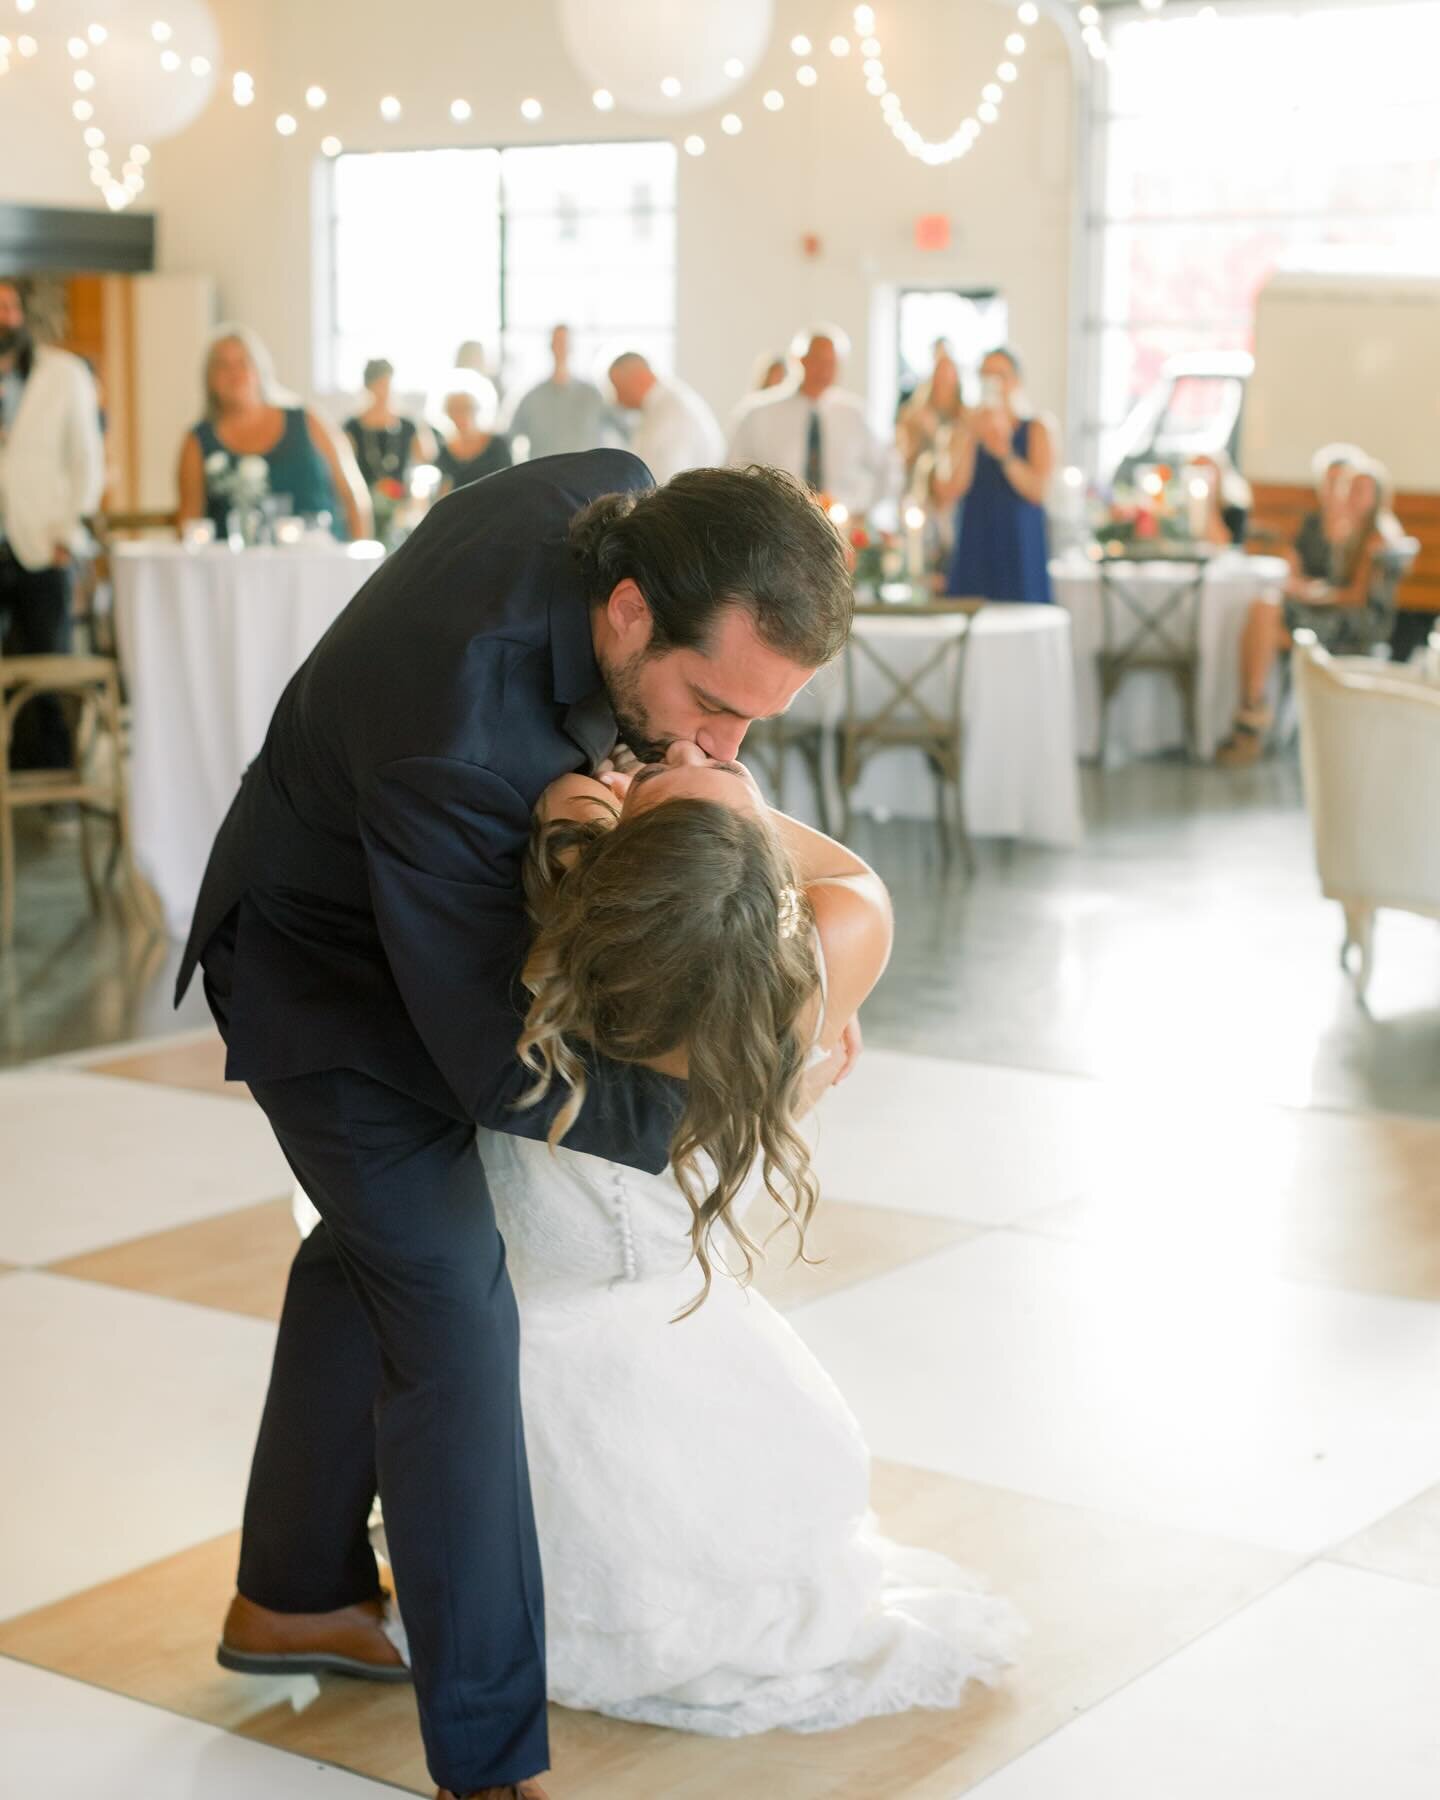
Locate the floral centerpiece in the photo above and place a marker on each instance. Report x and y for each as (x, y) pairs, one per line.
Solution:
(1163, 511)
(243, 483)
(876, 557)
(387, 497)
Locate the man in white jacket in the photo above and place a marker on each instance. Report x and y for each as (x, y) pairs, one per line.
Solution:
(52, 473)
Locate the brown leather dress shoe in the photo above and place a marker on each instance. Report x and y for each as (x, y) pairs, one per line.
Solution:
(351, 1641)
(527, 1790)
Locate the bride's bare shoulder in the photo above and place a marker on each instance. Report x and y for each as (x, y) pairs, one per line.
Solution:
(856, 927)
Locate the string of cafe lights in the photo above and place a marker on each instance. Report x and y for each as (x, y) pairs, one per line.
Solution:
(938, 152)
(962, 140)
(123, 188)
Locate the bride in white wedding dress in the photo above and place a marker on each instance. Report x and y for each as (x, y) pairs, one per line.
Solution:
(701, 1488)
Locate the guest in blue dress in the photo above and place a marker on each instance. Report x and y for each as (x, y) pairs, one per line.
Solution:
(305, 461)
(1000, 471)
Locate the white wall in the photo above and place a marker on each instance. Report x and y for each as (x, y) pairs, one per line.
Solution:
(237, 201)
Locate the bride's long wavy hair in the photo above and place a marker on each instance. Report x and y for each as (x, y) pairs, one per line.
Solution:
(677, 929)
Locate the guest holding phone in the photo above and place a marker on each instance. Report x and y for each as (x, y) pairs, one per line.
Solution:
(1000, 462)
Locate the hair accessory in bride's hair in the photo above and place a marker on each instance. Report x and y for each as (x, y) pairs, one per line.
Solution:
(792, 911)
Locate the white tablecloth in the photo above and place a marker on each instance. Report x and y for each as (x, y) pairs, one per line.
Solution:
(209, 639)
(1146, 714)
(1018, 703)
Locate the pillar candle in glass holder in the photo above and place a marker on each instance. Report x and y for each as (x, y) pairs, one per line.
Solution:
(915, 542)
(1197, 503)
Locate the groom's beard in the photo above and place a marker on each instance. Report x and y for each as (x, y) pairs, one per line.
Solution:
(632, 721)
(14, 340)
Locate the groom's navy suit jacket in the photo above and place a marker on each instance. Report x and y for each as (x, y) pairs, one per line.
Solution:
(369, 868)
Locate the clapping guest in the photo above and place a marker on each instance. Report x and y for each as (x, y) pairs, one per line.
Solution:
(1000, 465)
(307, 463)
(386, 444)
(471, 447)
(676, 430)
(925, 432)
(1339, 607)
(816, 431)
(934, 409)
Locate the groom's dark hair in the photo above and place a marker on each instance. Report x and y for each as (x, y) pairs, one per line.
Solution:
(723, 537)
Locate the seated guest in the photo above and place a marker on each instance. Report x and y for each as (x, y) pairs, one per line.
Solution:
(564, 413)
(1338, 606)
(308, 463)
(1230, 499)
(816, 431)
(676, 429)
(1000, 463)
(470, 447)
(1323, 528)
(387, 445)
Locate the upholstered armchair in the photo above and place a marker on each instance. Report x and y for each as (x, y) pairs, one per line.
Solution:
(1370, 749)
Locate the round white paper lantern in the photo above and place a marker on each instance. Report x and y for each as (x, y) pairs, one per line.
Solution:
(656, 56)
(136, 98)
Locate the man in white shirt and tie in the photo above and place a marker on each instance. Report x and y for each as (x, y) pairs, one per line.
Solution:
(676, 429)
(817, 431)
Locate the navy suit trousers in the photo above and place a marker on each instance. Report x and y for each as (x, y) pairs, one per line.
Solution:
(397, 1369)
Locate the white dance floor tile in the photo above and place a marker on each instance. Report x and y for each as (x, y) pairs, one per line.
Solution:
(1322, 1690)
(965, 1140)
(67, 1741)
(91, 1160)
(127, 1424)
(1261, 1410)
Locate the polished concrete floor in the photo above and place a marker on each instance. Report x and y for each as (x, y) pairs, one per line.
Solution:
(1185, 944)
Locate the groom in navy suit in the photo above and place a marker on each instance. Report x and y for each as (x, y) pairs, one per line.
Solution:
(361, 928)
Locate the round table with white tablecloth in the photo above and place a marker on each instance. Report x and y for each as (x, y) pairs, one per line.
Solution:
(1018, 704)
(208, 639)
(1146, 712)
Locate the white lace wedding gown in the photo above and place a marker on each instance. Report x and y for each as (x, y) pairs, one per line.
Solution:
(701, 1489)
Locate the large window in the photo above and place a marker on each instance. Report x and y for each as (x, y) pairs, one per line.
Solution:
(1232, 140)
(433, 247)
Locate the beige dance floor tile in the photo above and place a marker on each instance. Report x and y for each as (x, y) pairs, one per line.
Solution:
(1407, 1544)
(236, 1263)
(189, 1062)
(850, 1244)
(1347, 1200)
(91, 1162)
(1106, 1599)
(239, 1262)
